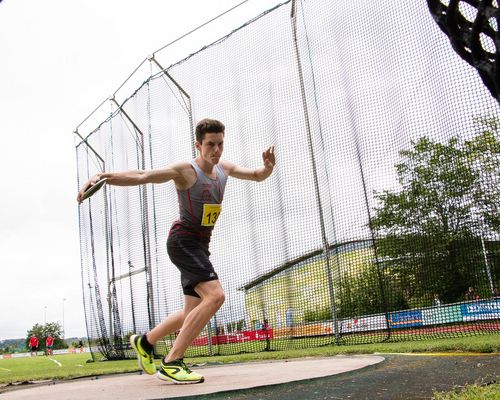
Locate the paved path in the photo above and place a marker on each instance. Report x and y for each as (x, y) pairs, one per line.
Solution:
(400, 376)
(218, 379)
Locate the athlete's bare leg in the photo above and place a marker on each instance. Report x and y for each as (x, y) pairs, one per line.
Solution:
(212, 298)
(174, 321)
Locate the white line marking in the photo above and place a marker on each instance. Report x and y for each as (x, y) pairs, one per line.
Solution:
(5, 369)
(57, 362)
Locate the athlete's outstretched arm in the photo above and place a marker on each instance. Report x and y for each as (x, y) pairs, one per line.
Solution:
(258, 174)
(135, 177)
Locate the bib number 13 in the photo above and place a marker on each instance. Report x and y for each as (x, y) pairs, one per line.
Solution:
(210, 214)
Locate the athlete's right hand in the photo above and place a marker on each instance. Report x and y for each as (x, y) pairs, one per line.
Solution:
(86, 186)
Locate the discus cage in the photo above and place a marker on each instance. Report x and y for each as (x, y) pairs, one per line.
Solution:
(382, 210)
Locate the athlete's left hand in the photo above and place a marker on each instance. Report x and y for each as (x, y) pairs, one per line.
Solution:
(269, 158)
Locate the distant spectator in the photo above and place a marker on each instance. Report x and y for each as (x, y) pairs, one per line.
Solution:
(289, 317)
(436, 302)
(49, 344)
(495, 293)
(471, 294)
(265, 328)
(220, 330)
(278, 319)
(33, 345)
(80, 346)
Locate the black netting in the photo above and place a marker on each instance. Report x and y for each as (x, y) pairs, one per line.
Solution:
(472, 27)
(381, 212)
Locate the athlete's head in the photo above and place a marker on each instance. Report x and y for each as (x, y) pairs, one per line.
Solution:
(208, 126)
(210, 140)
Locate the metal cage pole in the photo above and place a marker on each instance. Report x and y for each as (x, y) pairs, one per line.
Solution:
(186, 95)
(89, 306)
(145, 222)
(326, 250)
(109, 245)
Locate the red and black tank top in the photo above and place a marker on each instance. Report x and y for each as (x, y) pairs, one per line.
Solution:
(200, 205)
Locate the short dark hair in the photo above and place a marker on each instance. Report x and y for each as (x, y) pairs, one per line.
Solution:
(207, 125)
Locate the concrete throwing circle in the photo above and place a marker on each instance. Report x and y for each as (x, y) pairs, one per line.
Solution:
(219, 378)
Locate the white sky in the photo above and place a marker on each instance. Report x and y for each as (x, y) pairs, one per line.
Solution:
(58, 60)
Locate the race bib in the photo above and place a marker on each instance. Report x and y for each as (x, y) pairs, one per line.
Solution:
(210, 214)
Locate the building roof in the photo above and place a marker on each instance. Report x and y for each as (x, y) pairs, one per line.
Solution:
(339, 247)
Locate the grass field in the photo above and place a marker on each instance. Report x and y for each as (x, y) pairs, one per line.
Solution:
(471, 392)
(70, 366)
(65, 366)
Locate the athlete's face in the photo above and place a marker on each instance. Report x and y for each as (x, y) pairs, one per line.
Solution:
(211, 147)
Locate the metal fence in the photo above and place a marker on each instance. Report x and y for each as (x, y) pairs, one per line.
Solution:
(381, 212)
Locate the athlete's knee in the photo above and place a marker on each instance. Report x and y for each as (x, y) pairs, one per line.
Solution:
(217, 298)
(221, 297)
(211, 293)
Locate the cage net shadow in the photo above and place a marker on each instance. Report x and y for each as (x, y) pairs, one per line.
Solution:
(379, 223)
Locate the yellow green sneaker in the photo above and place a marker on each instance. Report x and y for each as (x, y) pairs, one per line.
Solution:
(177, 372)
(144, 358)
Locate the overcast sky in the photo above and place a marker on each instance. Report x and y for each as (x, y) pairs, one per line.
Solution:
(59, 60)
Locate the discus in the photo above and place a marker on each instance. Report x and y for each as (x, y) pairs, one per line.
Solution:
(94, 188)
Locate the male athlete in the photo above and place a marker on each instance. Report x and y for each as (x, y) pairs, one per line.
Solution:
(200, 187)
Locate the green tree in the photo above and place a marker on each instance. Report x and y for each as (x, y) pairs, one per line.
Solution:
(42, 331)
(429, 232)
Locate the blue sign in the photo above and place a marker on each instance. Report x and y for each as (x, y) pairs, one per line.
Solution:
(481, 309)
(405, 319)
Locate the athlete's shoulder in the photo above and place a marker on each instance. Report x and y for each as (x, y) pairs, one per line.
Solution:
(181, 168)
(181, 165)
(185, 174)
(227, 166)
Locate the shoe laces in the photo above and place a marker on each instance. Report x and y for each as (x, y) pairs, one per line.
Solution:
(149, 355)
(181, 361)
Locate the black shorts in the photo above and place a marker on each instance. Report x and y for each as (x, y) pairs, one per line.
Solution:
(190, 256)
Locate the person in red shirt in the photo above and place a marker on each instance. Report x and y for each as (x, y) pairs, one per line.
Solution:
(49, 344)
(33, 345)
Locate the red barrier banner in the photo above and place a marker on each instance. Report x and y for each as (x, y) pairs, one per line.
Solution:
(239, 337)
